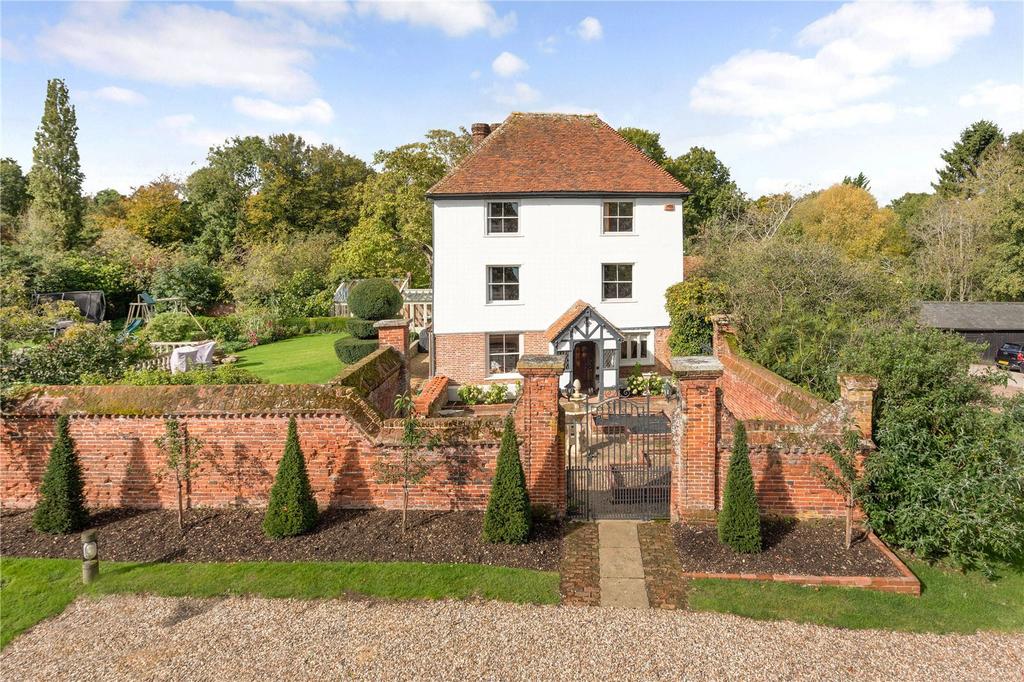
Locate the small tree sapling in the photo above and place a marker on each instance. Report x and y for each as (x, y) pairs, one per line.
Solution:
(845, 480)
(415, 462)
(181, 456)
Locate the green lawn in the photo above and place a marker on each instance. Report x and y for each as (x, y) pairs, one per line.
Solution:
(949, 602)
(34, 589)
(308, 359)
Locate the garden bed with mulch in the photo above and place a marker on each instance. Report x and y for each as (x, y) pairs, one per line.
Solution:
(213, 535)
(805, 548)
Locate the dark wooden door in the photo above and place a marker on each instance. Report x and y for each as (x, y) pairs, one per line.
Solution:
(583, 368)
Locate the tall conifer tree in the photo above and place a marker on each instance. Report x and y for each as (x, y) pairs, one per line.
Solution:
(55, 181)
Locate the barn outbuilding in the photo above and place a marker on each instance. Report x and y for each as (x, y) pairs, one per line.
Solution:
(990, 323)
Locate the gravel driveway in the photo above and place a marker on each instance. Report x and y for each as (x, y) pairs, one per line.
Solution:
(132, 637)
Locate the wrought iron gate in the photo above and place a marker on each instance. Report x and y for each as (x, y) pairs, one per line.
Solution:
(618, 464)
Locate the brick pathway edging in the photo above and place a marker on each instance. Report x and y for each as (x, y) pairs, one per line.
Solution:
(907, 583)
(580, 568)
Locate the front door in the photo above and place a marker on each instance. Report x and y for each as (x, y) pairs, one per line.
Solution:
(583, 367)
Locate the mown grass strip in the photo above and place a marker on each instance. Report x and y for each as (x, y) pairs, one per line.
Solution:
(950, 601)
(34, 589)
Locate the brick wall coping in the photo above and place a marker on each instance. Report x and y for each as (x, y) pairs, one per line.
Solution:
(543, 363)
(387, 324)
(230, 399)
(906, 583)
(448, 431)
(696, 367)
(369, 372)
(864, 382)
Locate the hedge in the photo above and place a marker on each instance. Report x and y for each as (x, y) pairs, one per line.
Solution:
(316, 325)
(375, 299)
(362, 329)
(351, 350)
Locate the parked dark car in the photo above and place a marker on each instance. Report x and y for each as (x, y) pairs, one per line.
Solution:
(1011, 356)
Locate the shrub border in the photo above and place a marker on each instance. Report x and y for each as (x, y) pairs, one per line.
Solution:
(907, 583)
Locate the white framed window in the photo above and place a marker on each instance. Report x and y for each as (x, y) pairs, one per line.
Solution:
(503, 351)
(636, 347)
(502, 217)
(616, 281)
(618, 217)
(502, 283)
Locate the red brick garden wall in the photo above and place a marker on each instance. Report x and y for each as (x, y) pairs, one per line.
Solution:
(123, 467)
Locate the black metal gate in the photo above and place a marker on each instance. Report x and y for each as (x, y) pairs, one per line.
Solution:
(618, 461)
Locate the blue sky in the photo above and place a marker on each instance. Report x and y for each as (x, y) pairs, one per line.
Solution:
(791, 95)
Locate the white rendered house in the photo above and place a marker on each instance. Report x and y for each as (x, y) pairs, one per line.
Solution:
(555, 235)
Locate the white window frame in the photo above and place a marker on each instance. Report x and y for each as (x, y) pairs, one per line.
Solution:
(503, 218)
(641, 337)
(632, 283)
(518, 285)
(605, 218)
(487, 354)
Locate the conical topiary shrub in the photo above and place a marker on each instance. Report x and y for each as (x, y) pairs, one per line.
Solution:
(292, 509)
(739, 524)
(61, 507)
(508, 510)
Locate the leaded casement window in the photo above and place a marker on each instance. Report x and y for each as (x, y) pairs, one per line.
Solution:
(502, 217)
(636, 348)
(618, 216)
(608, 358)
(503, 353)
(617, 281)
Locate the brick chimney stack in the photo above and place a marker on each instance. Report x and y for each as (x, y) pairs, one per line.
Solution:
(480, 131)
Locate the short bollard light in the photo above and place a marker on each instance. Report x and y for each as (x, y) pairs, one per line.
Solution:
(90, 562)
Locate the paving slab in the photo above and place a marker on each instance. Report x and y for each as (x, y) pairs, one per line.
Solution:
(617, 534)
(627, 593)
(621, 562)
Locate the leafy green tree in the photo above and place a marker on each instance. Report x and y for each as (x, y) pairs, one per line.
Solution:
(197, 281)
(690, 305)
(375, 299)
(999, 189)
(908, 208)
(288, 276)
(158, 212)
(104, 211)
(181, 457)
(394, 233)
(14, 196)
(292, 509)
(963, 158)
(739, 522)
(414, 464)
(714, 191)
(859, 180)
(647, 141)
(55, 181)
(220, 189)
(61, 506)
(507, 519)
(303, 189)
(848, 217)
(946, 479)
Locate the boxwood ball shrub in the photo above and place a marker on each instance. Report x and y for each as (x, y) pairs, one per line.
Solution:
(351, 350)
(292, 509)
(739, 523)
(508, 515)
(361, 329)
(61, 507)
(375, 299)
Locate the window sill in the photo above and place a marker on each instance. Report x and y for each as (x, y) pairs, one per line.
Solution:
(506, 375)
(618, 300)
(504, 235)
(619, 234)
(499, 304)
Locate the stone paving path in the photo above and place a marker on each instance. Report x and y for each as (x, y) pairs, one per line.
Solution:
(621, 565)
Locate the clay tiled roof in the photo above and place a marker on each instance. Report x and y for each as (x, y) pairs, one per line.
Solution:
(556, 153)
(570, 315)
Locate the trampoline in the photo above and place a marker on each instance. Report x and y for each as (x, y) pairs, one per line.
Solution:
(92, 304)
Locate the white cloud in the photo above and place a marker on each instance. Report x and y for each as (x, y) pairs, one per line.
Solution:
(1000, 98)
(858, 47)
(548, 45)
(113, 93)
(589, 29)
(516, 94)
(317, 10)
(183, 127)
(455, 18)
(10, 51)
(187, 45)
(507, 65)
(474, 74)
(315, 110)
